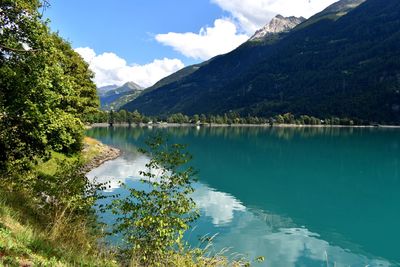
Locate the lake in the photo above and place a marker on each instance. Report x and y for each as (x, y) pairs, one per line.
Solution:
(297, 196)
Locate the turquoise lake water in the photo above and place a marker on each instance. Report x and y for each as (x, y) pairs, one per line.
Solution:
(297, 196)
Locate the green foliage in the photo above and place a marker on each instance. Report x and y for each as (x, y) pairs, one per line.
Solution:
(23, 242)
(153, 220)
(178, 118)
(46, 95)
(66, 197)
(45, 88)
(230, 118)
(56, 202)
(136, 117)
(97, 117)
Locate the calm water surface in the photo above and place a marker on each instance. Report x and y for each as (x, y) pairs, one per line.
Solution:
(298, 196)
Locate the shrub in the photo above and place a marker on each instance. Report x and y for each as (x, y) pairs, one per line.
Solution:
(153, 221)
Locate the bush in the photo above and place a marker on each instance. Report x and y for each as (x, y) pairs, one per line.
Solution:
(153, 221)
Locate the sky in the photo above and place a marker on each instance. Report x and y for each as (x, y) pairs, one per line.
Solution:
(146, 40)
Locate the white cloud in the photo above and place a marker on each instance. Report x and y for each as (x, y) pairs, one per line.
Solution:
(253, 14)
(245, 230)
(209, 42)
(109, 68)
(86, 53)
(247, 16)
(118, 171)
(217, 205)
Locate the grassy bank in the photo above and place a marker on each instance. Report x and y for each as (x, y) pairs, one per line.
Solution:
(94, 153)
(24, 241)
(26, 237)
(31, 237)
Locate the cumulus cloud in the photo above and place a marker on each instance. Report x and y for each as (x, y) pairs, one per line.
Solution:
(253, 14)
(251, 231)
(118, 171)
(246, 17)
(223, 37)
(217, 205)
(109, 68)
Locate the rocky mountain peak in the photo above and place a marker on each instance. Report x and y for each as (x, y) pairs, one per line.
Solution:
(133, 86)
(278, 24)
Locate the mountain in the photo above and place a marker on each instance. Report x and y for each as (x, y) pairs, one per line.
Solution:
(344, 62)
(334, 11)
(278, 24)
(113, 97)
(179, 75)
(341, 7)
(105, 89)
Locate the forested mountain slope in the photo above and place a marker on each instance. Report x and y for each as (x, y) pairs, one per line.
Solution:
(346, 65)
(113, 97)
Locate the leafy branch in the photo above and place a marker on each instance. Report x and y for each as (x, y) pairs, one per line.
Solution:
(153, 220)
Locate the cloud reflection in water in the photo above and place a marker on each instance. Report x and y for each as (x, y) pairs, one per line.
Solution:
(252, 232)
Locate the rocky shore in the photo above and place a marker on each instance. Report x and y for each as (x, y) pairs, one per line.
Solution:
(96, 153)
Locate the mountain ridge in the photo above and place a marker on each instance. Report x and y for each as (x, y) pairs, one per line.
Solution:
(113, 96)
(347, 65)
(278, 24)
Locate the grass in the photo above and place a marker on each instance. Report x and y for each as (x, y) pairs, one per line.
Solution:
(24, 243)
(49, 167)
(24, 233)
(25, 239)
(92, 148)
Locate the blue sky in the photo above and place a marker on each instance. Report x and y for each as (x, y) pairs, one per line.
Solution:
(127, 27)
(146, 40)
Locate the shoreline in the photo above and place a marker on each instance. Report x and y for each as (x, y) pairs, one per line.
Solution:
(97, 154)
(177, 125)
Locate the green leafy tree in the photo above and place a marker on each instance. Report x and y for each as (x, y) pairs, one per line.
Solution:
(129, 118)
(153, 220)
(111, 117)
(279, 119)
(196, 118)
(288, 118)
(203, 118)
(46, 87)
(145, 119)
(178, 118)
(122, 116)
(136, 117)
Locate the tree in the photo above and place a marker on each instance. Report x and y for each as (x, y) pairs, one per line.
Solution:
(136, 117)
(288, 118)
(153, 220)
(46, 87)
(178, 118)
(122, 116)
(111, 117)
(129, 118)
(203, 118)
(279, 119)
(196, 118)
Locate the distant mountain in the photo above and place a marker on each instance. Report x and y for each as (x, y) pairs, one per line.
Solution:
(344, 61)
(113, 97)
(176, 76)
(105, 89)
(278, 24)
